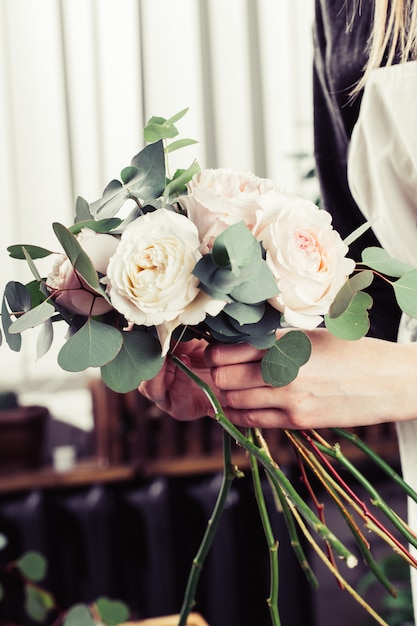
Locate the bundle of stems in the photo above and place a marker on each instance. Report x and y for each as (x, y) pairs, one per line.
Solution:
(321, 459)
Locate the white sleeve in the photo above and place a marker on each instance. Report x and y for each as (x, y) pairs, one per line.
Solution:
(382, 164)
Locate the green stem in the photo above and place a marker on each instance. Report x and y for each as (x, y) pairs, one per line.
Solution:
(334, 490)
(271, 467)
(272, 601)
(229, 473)
(376, 499)
(383, 465)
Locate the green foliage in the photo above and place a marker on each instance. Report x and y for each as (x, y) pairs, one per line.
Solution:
(99, 226)
(143, 180)
(32, 565)
(138, 359)
(112, 612)
(35, 252)
(32, 318)
(379, 260)
(38, 603)
(79, 259)
(94, 345)
(281, 364)
(79, 615)
(353, 323)
(343, 299)
(405, 289)
(237, 273)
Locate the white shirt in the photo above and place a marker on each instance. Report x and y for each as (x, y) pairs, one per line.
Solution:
(382, 171)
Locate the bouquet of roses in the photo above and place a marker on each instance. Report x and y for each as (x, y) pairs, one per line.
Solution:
(218, 255)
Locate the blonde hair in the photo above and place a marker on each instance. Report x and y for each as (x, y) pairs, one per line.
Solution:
(393, 36)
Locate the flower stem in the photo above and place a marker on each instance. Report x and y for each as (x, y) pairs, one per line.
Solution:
(271, 467)
(229, 473)
(383, 465)
(272, 601)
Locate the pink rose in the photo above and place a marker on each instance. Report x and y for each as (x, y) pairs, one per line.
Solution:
(70, 290)
(306, 256)
(218, 198)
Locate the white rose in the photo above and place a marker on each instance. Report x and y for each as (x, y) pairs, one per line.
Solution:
(150, 278)
(69, 289)
(306, 256)
(218, 198)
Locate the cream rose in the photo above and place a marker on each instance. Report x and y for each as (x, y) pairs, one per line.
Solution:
(306, 256)
(150, 278)
(68, 287)
(218, 198)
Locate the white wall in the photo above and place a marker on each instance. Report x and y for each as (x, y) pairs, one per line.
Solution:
(78, 79)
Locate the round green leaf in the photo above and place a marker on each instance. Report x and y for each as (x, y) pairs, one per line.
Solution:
(94, 345)
(32, 565)
(354, 322)
(112, 612)
(379, 260)
(79, 615)
(358, 282)
(281, 363)
(35, 604)
(405, 289)
(138, 359)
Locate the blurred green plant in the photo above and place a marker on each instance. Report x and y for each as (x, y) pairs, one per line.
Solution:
(39, 603)
(397, 611)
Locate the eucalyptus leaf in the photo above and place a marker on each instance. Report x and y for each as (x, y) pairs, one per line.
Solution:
(354, 322)
(245, 313)
(235, 246)
(45, 339)
(154, 132)
(356, 283)
(99, 226)
(261, 286)
(79, 615)
(114, 196)
(18, 297)
(176, 118)
(138, 359)
(32, 318)
(128, 173)
(82, 210)
(32, 266)
(281, 363)
(37, 603)
(3, 541)
(358, 232)
(181, 143)
(94, 345)
(112, 612)
(35, 252)
(78, 258)
(405, 289)
(1, 592)
(35, 290)
(13, 341)
(150, 162)
(32, 565)
(178, 183)
(379, 260)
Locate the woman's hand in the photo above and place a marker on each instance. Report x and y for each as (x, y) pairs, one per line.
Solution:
(173, 391)
(345, 383)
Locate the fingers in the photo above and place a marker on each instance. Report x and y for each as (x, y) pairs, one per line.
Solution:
(227, 354)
